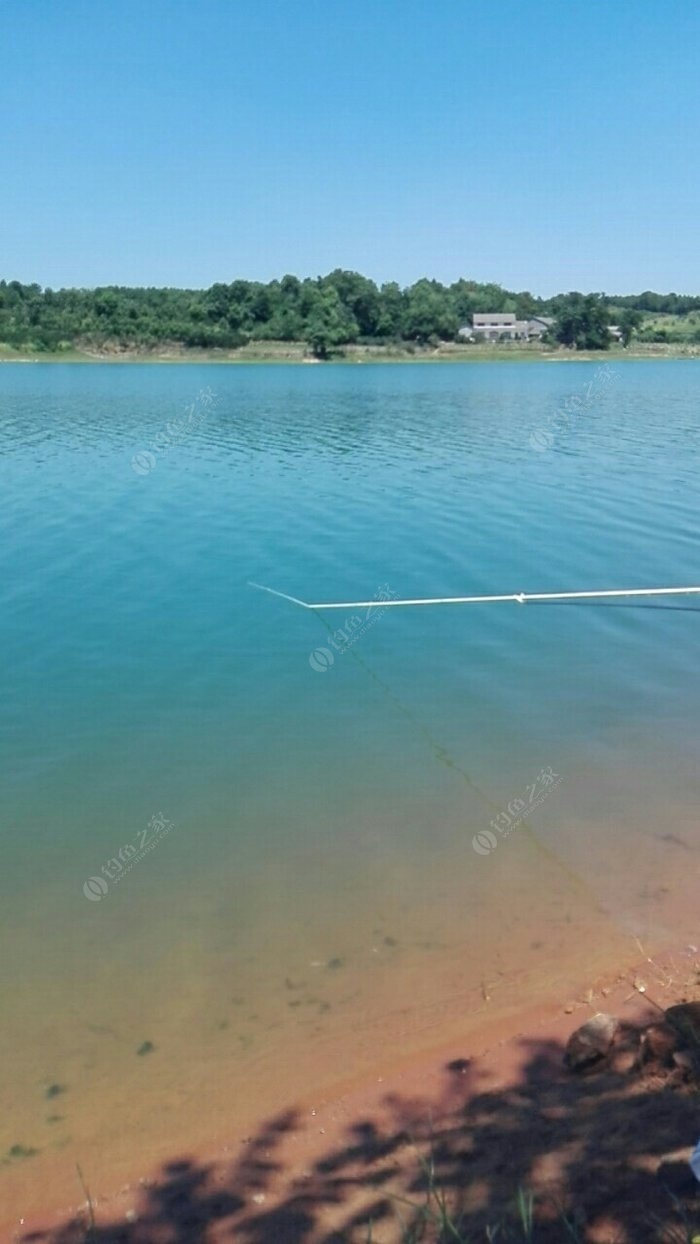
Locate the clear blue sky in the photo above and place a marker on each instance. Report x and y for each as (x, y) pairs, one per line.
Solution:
(541, 144)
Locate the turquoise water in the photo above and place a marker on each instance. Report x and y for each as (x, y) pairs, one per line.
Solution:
(322, 819)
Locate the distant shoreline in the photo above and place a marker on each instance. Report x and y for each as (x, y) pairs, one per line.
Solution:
(298, 353)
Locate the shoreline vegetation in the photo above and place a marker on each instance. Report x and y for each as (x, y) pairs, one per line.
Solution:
(341, 316)
(297, 352)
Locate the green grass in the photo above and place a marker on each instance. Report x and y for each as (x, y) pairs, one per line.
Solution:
(676, 329)
(434, 1221)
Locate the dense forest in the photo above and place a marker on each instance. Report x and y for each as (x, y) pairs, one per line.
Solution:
(326, 312)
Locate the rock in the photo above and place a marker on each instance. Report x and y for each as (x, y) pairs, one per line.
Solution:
(683, 1060)
(660, 1041)
(678, 1177)
(623, 1061)
(591, 1042)
(685, 1018)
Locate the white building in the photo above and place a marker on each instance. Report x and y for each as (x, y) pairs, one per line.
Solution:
(503, 326)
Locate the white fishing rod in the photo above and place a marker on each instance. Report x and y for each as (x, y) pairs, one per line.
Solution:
(521, 598)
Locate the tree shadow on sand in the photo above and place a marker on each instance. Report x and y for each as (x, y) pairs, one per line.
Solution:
(588, 1149)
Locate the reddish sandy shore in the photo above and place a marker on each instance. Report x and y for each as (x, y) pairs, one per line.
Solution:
(604, 1150)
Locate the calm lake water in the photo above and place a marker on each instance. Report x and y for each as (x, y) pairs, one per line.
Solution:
(316, 908)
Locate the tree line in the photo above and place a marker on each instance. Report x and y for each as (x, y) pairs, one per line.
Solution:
(326, 312)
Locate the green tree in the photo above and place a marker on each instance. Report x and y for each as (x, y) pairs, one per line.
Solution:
(391, 311)
(328, 323)
(582, 321)
(359, 296)
(630, 321)
(429, 312)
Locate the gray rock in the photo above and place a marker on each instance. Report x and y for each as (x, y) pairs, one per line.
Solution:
(685, 1018)
(591, 1042)
(660, 1042)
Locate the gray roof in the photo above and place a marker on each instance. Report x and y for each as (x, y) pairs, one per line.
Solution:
(481, 318)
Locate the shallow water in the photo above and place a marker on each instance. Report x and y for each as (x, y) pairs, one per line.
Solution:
(317, 904)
